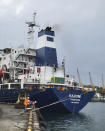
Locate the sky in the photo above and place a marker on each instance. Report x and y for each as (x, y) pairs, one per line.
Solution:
(79, 27)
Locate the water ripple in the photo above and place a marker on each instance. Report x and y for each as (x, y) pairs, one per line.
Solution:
(92, 118)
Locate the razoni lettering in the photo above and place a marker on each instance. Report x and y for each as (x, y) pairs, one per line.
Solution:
(74, 96)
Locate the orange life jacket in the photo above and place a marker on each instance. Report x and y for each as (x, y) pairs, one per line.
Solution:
(26, 102)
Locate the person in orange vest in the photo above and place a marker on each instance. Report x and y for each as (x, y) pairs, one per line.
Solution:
(26, 101)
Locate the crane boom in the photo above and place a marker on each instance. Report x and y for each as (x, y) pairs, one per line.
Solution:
(103, 86)
(80, 83)
(91, 82)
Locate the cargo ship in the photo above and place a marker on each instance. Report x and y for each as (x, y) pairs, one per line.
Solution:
(36, 72)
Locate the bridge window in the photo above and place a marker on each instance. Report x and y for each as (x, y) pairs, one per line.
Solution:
(50, 39)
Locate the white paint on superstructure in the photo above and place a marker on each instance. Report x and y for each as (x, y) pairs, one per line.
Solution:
(42, 42)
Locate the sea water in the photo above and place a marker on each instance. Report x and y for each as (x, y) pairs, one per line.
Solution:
(91, 118)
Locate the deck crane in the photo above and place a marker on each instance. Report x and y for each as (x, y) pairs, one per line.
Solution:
(103, 86)
(80, 83)
(91, 82)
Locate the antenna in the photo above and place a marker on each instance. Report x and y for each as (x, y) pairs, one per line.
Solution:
(31, 25)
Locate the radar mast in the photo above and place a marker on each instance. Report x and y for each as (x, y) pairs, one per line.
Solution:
(31, 25)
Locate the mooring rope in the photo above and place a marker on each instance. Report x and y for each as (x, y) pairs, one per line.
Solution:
(51, 104)
(56, 102)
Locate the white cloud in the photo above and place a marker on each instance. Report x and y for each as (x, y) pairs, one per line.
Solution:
(11, 7)
(5, 2)
(19, 9)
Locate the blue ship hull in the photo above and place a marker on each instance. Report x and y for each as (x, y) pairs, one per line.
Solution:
(67, 101)
(52, 100)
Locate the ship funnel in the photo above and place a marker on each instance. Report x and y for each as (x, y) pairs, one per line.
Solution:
(46, 48)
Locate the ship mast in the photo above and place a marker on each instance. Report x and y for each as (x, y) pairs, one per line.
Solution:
(31, 25)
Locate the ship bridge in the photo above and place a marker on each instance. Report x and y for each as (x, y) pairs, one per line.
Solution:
(46, 48)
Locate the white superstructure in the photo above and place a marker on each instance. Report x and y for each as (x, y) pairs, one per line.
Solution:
(34, 66)
(43, 42)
